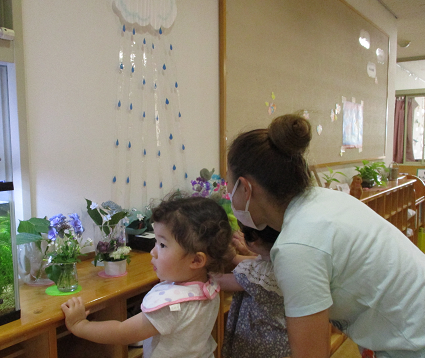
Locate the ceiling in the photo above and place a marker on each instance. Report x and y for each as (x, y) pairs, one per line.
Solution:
(410, 15)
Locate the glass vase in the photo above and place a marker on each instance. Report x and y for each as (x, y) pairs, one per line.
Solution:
(68, 277)
(32, 263)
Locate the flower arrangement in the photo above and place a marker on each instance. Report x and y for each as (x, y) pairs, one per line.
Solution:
(110, 217)
(65, 238)
(210, 185)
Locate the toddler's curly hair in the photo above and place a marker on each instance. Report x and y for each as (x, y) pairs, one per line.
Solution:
(198, 225)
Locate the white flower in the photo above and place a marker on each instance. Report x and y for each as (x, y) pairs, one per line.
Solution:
(93, 205)
(106, 217)
(89, 241)
(140, 217)
(125, 220)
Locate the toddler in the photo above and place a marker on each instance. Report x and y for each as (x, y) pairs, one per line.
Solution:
(192, 236)
(256, 325)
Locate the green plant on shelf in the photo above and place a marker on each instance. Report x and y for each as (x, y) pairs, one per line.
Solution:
(329, 178)
(372, 173)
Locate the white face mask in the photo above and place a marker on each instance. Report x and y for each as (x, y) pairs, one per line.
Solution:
(244, 216)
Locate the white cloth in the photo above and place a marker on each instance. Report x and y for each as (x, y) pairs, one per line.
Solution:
(335, 252)
(259, 272)
(185, 333)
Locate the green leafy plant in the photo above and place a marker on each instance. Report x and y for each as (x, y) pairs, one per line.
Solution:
(31, 231)
(331, 177)
(106, 215)
(371, 172)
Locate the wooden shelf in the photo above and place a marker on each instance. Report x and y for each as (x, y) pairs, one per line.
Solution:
(41, 333)
(393, 203)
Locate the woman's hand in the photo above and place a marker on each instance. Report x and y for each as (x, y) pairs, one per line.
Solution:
(75, 312)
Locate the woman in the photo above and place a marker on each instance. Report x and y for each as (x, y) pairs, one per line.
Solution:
(335, 258)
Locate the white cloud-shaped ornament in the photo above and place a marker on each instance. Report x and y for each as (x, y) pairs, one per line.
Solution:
(157, 13)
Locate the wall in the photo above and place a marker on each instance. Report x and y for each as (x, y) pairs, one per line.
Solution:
(382, 18)
(71, 53)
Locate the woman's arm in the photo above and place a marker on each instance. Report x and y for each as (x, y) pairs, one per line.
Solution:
(309, 335)
(134, 329)
(228, 282)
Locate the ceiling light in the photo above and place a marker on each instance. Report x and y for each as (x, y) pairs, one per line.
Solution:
(404, 43)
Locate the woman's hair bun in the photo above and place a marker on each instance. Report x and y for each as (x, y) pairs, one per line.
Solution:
(290, 133)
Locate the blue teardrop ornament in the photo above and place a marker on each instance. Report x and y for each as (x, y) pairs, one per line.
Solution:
(183, 147)
(121, 66)
(153, 46)
(180, 114)
(174, 167)
(117, 143)
(129, 145)
(131, 106)
(144, 41)
(167, 101)
(144, 183)
(119, 103)
(144, 151)
(171, 47)
(160, 184)
(164, 67)
(134, 31)
(114, 179)
(185, 175)
(171, 136)
(159, 153)
(144, 114)
(176, 85)
(128, 180)
(160, 31)
(123, 28)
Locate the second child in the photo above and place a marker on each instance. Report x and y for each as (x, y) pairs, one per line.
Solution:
(256, 324)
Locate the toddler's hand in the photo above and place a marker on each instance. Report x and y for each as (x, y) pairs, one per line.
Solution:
(74, 311)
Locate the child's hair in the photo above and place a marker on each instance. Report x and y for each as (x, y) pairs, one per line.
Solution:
(268, 235)
(198, 225)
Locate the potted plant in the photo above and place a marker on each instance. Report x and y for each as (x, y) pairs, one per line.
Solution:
(331, 177)
(371, 173)
(111, 248)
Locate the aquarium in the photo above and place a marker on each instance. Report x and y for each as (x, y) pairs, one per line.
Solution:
(9, 289)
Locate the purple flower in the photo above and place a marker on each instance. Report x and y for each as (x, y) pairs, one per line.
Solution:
(76, 224)
(103, 247)
(52, 234)
(57, 220)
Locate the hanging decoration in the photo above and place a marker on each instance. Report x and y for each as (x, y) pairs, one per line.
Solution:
(149, 147)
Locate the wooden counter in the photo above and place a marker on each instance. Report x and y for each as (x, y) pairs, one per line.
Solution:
(42, 321)
(392, 203)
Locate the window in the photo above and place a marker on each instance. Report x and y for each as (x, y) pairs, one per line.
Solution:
(409, 128)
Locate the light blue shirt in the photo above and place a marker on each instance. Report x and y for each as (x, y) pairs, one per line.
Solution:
(335, 252)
